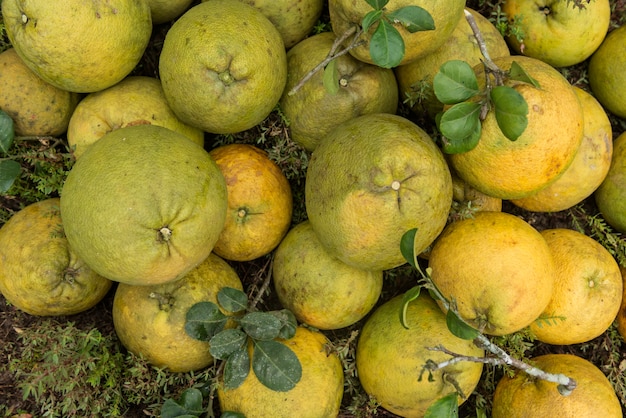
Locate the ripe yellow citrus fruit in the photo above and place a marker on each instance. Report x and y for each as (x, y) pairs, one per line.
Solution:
(40, 273)
(143, 103)
(621, 316)
(167, 10)
(525, 396)
(587, 290)
(446, 14)
(144, 205)
(150, 320)
(606, 72)
(611, 194)
(319, 289)
(370, 180)
(390, 358)
(467, 197)
(497, 268)
(259, 202)
(588, 169)
(416, 78)
(76, 45)
(36, 107)
(314, 110)
(223, 66)
(318, 393)
(559, 33)
(509, 169)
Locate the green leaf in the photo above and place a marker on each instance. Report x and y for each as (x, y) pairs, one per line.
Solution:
(189, 405)
(407, 246)
(261, 325)
(204, 320)
(377, 4)
(276, 365)
(7, 132)
(460, 125)
(409, 296)
(386, 45)
(288, 321)
(413, 18)
(9, 171)
(225, 342)
(330, 77)
(446, 407)
(459, 328)
(231, 414)
(517, 72)
(233, 300)
(511, 111)
(369, 19)
(236, 368)
(455, 82)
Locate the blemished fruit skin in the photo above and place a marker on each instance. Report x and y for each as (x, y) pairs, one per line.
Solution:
(144, 205)
(390, 358)
(150, 320)
(610, 196)
(40, 273)
(607, 77)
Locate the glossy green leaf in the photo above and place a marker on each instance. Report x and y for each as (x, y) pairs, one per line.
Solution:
(225, 342)
(276, 365)
(233, 300)
(517, 72)
(7, 132)
(330, 77)
(386, 45)
(261, 325)
(204, 320)
(288, 321)
(455, 82)
(236, 368)
(413, 18)
(511, 111)
(9, 172)
(370, 19)
(189, 405)
(459, 328)
(407, 246)
(377, 4)
(446, 407)
(460, 125)
(409, 296)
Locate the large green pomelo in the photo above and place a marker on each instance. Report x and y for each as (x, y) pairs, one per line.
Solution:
(144, 205)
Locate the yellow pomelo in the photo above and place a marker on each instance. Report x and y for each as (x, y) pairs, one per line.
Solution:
(621, 316)
(588, 169)
(150, 320)
(587, 290)
(557, 32)
(143, 205)
(525, 396)
(370, 180)
(136, 100)
(390, 358)
(77, 45)
(611, 194)
(416, 78)
(294, 19)
(259, 202)
(466, 198)
(318, 394)
(163, 11)
(223, 66)
(37, 108)
(313, 110)
(607, 77)
(319, 289)
(509, 169)
(497, 268)
(446, 14)
(40, 272)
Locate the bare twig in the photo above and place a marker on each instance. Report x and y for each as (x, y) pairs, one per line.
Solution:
(492, 68)
(266, 282)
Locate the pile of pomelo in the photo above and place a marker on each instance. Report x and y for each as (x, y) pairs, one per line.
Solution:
(158, 212)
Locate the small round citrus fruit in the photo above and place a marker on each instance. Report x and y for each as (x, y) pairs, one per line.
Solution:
(223, 66)
(144, 205)
(150, 320)
(587, 290)
(611, 194)
(318, 393)
(390, 358)
(259, 202)
(163, 11)
(588, 169)
(143, 103)
(525, 396)
(39, 271)
(370, 180)
(76, 45)
(607, 77)
(497, 268)
(319, 289)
